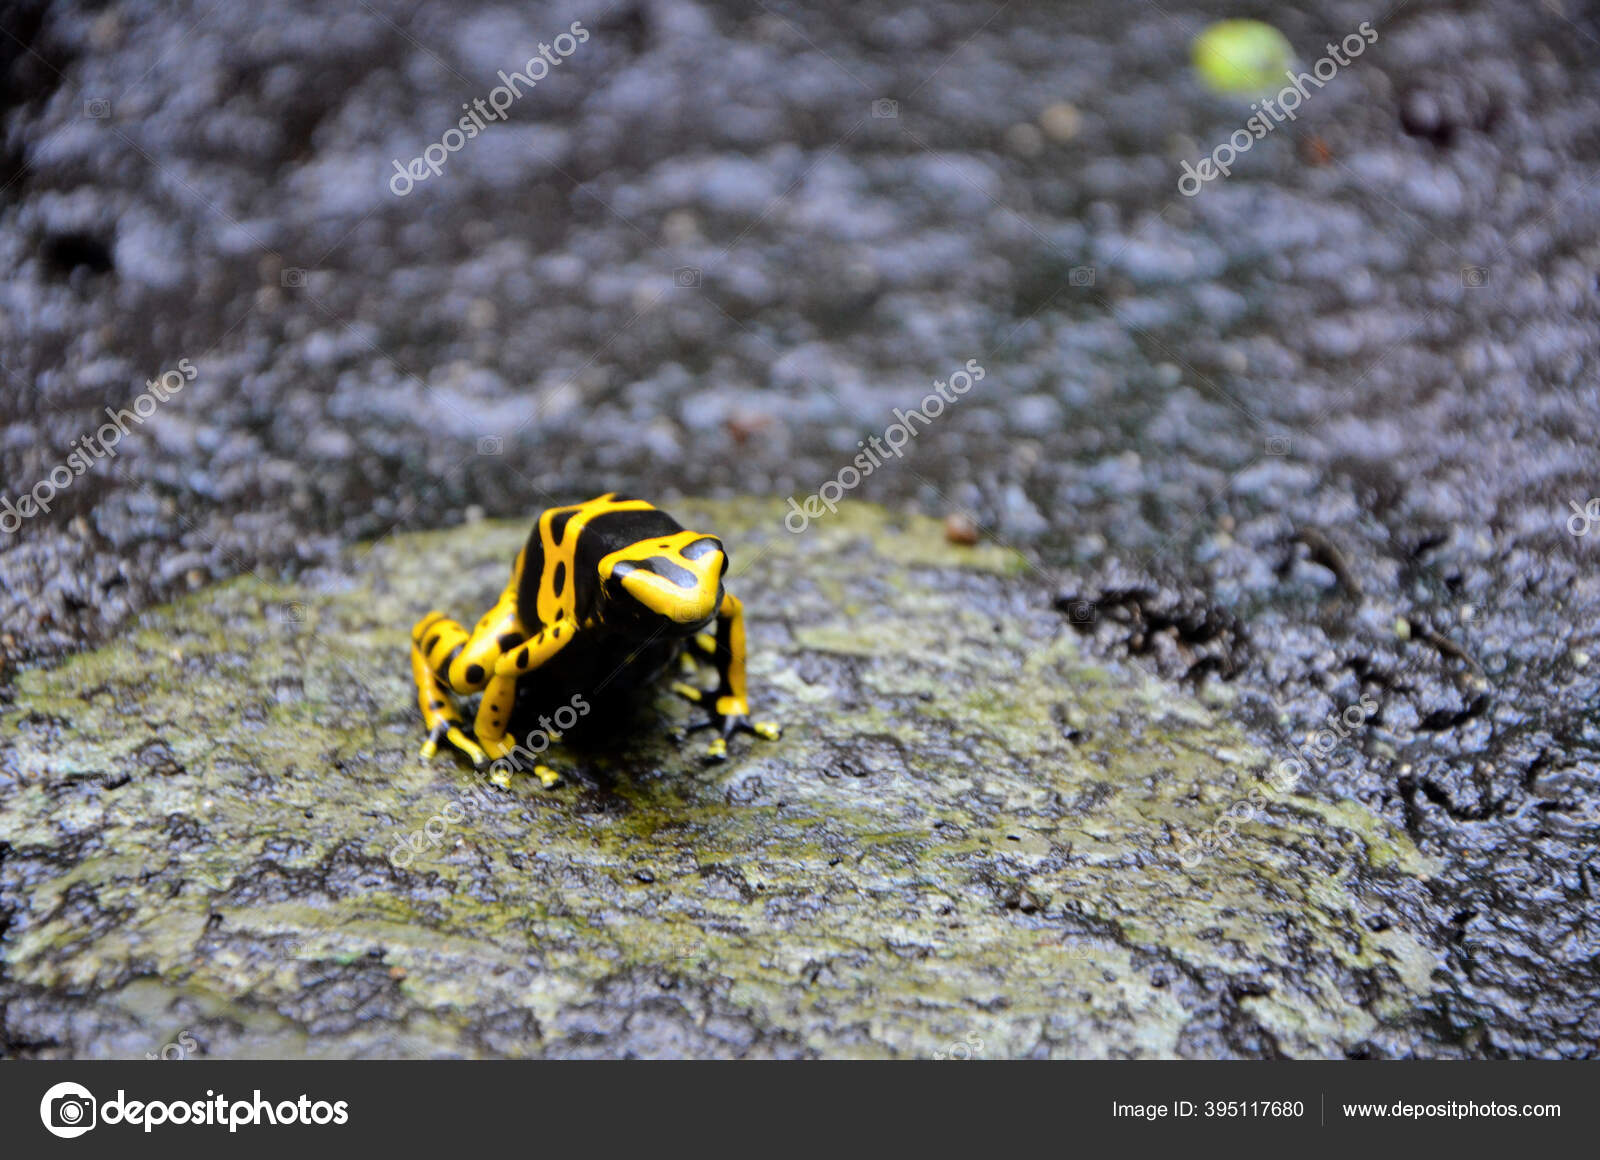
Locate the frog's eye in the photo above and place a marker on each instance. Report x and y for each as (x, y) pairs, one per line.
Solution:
(700, 547)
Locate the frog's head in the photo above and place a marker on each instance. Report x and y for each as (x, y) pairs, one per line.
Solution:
(667, 585)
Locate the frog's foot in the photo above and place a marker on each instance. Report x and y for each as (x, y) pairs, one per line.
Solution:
(501, 764)
(729, 716)
(548, 777)
(444, 731)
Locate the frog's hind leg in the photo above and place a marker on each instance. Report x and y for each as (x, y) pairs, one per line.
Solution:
(439, 710)
(447, 663)
(446, 659)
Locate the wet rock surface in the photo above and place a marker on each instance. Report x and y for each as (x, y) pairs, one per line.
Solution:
(1309, 436)
(971, 839)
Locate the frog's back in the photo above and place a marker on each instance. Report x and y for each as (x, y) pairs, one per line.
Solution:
(560, 573)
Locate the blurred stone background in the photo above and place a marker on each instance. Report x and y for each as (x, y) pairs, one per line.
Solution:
(1310, 435)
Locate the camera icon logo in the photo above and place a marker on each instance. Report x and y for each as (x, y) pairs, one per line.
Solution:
(686, 277)
(68, 1110)
(1473, 277)
(293, 276)
(491, 445)
(885, 109)
(1081, 611)
(1080, 276)
(1277, 445)
(97, 108)
(972, 1048)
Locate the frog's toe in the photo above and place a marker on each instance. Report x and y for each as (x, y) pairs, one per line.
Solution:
(548, 777)
(689, 693)
(447, 732)
(739, 723)
(430, 744)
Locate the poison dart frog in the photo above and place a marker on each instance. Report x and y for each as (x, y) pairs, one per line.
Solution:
(604, 593)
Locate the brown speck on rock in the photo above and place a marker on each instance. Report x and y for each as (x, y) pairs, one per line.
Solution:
(1315, 151)
(960, 528)
(742, 425)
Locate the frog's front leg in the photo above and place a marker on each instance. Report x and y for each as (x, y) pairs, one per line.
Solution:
(494, 712)
(730, 711)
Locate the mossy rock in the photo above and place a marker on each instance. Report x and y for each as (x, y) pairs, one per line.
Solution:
(963, 844)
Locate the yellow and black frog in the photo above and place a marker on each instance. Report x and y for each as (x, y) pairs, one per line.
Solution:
(605, 595)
